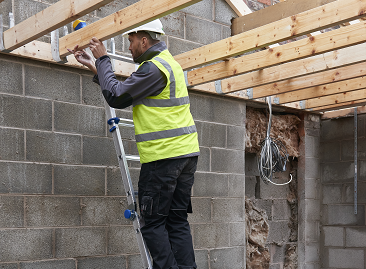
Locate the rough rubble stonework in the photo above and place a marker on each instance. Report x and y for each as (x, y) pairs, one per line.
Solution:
(284, 128)
(257, 229)
(292, 200)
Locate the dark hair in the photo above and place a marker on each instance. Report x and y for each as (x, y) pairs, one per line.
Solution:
(141, 34)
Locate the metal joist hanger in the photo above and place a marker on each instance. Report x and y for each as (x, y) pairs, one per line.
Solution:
(55, 48)
(11, 24)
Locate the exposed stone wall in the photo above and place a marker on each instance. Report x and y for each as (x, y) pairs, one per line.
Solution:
(279, 204)
(275, 206)
(343, 236)
(61, 197)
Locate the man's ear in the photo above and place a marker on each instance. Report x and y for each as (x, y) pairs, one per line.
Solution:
(144, 41)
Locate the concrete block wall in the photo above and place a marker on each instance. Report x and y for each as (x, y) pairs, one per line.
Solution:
(309, 196)
(61, 196)
(293, 210)
(342, 233)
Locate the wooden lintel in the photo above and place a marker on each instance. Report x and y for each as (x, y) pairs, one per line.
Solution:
(273, 13)
(297, 74)
(288, 28)
(53, 17)
(122, 21)
(322, 90)
(239, 7)
(41, 51)
(340, 38)
(336, 99)
(347, 112)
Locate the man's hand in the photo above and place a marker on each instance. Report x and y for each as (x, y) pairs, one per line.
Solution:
(97, 48)
(84, 58)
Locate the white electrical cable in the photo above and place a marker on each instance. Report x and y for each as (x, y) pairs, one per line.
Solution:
(273, 155)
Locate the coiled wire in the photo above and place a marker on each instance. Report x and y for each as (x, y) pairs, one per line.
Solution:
(273, 155)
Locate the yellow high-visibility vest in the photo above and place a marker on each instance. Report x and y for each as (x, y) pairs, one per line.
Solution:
(164, 126)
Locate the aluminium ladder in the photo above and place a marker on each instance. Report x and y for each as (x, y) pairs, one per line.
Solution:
(131, 211)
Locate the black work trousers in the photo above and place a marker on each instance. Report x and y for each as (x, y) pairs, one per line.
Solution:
(165, 199)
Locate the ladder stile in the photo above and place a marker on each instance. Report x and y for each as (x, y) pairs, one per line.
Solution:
(127, 182)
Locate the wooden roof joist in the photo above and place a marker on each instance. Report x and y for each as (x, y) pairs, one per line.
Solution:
(335, 99)
(340, 106)
(121, 21)
(323, 90)
(340, 38)
(53, 17)
(273, 13)
(239, 7)
(320, 78)
(319, 18)
(347, 112)
(296, 74)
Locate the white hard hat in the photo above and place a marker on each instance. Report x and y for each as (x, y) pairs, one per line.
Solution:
(154, 26)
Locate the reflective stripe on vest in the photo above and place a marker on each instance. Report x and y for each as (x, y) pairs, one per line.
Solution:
(165, 102)
(166, 133)
(164, 126)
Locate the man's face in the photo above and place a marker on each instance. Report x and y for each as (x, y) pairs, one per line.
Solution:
(136, 45)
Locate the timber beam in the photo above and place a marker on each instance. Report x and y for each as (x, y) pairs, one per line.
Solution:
(121, 21)
(321, 78)
(349, 112)
(329, 41)
(273, 13)
(295, 75)
(322, 90)
(52, 18)
(239, 7)
(41, 51)
(336, 99)
(304, 23)
(340, 106)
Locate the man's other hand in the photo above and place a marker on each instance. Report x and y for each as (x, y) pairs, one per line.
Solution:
(84, 58)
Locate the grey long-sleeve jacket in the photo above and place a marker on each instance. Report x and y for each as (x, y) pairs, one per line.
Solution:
(148, 80)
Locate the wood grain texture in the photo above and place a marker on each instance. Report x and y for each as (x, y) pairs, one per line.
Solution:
(301, 24)
(336, 99)
(273, 13)
(323, 90)
(349, 112)
(41, 51)
(339, 106)
(122, 21)
(239, 7)
(273, 80)
(53, 17)
(321, 78)
(333, 40)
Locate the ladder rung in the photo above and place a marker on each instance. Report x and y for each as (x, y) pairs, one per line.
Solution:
(134, 158)
(126, 123)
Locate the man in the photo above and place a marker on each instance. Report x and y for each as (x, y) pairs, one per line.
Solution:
(166, 138)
